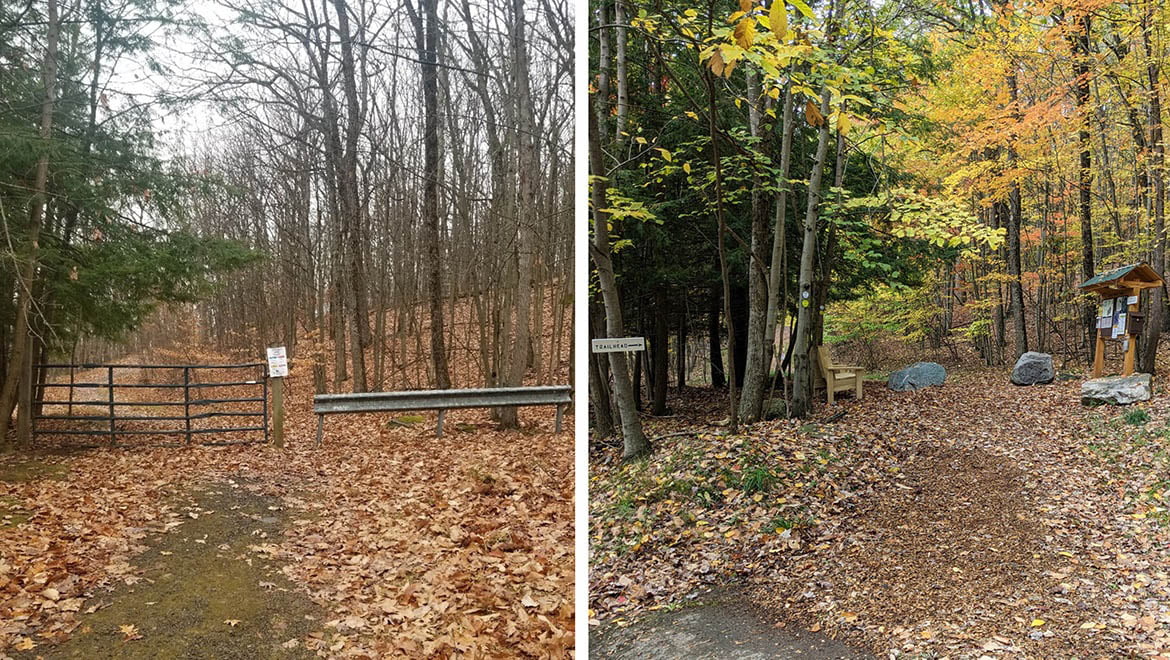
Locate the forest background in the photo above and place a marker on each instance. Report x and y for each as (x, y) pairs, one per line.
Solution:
(374, 185)
(896, 179)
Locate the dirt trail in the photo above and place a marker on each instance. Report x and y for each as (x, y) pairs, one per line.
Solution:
(959, 517)
(1004, 533)
(199, 591)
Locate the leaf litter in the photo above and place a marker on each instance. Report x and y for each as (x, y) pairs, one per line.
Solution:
(974, 519)
(413, 545)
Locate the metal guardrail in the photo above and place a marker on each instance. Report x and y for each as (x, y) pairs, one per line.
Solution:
(109, 426)
(441, 400)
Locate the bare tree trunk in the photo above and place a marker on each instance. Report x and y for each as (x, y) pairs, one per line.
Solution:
(1015, 219)
(1085, 172)
(680, 350)
(714, 339)
(20, 358)
(623, 87)
(1154, 324)
(427, 36)
(526, 207)
(721, 218)
(756, 365)
(660, 355)
(802, 387)
(778, 274)
(352, 206)
(600, 402)
(634, 440)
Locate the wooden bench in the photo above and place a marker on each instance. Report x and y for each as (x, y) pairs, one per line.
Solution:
(441, 400)
(839, 378)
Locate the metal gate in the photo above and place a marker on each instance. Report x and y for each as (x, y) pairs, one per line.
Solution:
(100, 411)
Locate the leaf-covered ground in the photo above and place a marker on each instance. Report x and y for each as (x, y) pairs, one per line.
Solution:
(409, 545)
(973, 519)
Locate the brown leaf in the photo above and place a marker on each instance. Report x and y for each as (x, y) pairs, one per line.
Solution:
(812, 114)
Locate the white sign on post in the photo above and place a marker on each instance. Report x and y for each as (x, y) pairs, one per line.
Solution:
(277, 362)
(619, 345)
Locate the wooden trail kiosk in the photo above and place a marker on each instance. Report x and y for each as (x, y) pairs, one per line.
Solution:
(1118, 316)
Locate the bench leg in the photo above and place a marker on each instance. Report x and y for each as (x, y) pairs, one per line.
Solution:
(320, 428)
(439, 428)
(859, 390)
(560, 414)
(829, 389)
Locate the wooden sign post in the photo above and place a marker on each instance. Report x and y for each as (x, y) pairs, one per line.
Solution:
(277, 370)
(1119, 316)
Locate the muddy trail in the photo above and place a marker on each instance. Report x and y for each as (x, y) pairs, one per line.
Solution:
(201, 589)
(715, 626)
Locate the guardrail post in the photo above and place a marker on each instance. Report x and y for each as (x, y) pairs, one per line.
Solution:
(320, 428)
(187, 400)
(560, 414)
(110, 387)
(439, 428)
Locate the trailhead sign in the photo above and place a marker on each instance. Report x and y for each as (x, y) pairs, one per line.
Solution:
(619, 345)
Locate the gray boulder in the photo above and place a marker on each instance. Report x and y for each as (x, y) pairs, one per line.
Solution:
(917, 376)
(1116, 390)
(1033, 369)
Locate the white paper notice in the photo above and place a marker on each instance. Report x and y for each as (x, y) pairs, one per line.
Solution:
(277, 362)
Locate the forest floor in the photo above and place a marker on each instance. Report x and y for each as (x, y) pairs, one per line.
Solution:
(385, 542)
(973, 519)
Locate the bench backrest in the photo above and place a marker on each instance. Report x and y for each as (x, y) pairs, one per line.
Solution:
(825, 361)
(492, 397)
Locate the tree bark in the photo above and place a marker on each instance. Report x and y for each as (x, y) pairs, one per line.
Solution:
(20, 358)
(715, 338)
(724, 269)
(1015, 220)
(802, 387)
(778, 273)
(600, 401)
(427, 38)
(526, 208)
(634, 441)
(352, 206)
(755, 372)
(661, 354)
(1154, 324)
